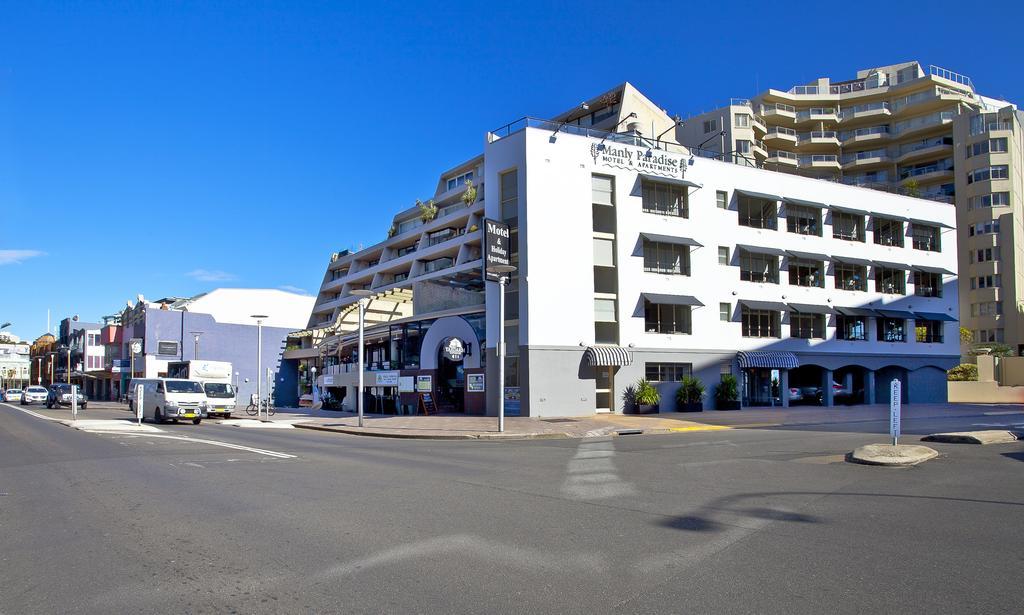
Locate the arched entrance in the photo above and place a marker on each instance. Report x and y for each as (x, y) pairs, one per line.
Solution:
(451, 375)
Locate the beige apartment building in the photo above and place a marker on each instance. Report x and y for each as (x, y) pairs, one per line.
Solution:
(905, 128)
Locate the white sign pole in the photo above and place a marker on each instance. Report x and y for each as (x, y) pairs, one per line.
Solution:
(74, 402)
(138, 402)
(895, 398)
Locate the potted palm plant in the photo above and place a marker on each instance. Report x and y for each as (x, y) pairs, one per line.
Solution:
(646, 397)
(727, 393)
(690, 395)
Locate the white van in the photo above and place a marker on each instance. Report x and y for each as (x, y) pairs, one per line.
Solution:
(174, 399)
(216, 379)
(149, 383)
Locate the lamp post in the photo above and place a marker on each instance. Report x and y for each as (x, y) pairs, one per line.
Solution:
(259, 362)
(39, 371)
(312, 386)
(364, 296)
(504, 272)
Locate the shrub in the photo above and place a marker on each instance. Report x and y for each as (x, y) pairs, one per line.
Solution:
(691, 390)
(428, 211)
(645, 394)
(469, 196)
(728, 389)
(963, 372)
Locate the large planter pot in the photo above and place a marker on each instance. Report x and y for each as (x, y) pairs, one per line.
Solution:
(646, 408)
(690, 406)
(727, 405)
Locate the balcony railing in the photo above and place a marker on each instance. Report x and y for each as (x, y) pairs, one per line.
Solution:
(875, 106)
(818, 134)
(941, 165)
(923, 144)
(924, 121)
(805, 90)
(776, 107)
(949, 75)
(816, 112)
(778, 153)
(863, 132)
(817, 159)
(780, 130)
(875, 153)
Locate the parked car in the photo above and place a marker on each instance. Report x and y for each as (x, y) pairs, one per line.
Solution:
(12, 394)
(34, 394)
(60, 395)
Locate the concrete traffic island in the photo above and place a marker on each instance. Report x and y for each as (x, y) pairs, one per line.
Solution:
(990, 436)
(891, 455)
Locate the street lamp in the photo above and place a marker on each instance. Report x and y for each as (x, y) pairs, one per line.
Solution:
(504, 272)
(312, 387)
(195, 339)
(364, 296)
(259, 361)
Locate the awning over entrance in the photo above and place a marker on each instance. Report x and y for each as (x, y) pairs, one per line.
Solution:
(776, 306)
(768, 359)
(607, 355)
(806, 308)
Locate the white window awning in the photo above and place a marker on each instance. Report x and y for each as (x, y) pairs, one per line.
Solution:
(607, 355)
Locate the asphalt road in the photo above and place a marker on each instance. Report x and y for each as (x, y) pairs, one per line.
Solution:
(740, 521)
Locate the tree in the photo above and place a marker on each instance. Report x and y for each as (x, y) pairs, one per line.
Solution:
(966, 337)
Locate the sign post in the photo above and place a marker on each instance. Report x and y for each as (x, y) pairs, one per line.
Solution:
(74, 402)
(138, 402)
(498, 268)
(895, 397)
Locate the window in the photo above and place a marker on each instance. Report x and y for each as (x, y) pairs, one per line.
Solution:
(989, 336)
(925, 237)
(985, 281)
(604, 310)
(851, 277)
(437, 264)
(459, 180)
(659, 198)
(992, 145)
(927, 284)
(724, 312)
(847, 226)
(891, 330)
(995, 199)
(667, 372)
(401, 277)
(723, 255)
(664, 318)
(743, 120)
(759, 267)
(757, 213)
(987, 254)
(668, 258)
(743, 146)
(999, 171)
(710, 126)
(987, 308)
(807, 326)
(928, 331)
(803, 220)
(602, 188)
(760, 323)
(890, 281)
(806, 273)
(722, 199)
(851, 328)
(984, 228)
(604, 252)
(888, 232)
(510, 195)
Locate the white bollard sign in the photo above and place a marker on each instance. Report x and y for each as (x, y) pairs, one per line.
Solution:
(895, 396)
(138, 402)
(74, 402)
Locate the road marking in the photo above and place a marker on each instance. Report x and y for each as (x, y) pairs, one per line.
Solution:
(121, 432)
(699, 428)
(35, 414)
(592, 474)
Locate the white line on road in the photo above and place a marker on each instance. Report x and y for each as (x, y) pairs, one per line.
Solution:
(121, 432)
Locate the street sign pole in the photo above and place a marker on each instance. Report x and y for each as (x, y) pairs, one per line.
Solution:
(895, 398)
(74, 402)
(138, 402)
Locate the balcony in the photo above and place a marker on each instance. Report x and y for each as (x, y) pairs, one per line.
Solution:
(938, 170)
(784, 158)
(933, 98)
(758, 124)
(816, 139)
(779, 135)
(819, 161)
(817, 114)
(862, 160)
(869, 110)
(780, 111)
(923, 150)
(863, 136)
(923, 123)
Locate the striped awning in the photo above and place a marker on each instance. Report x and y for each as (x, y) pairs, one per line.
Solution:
(768, 359)
(607, 355)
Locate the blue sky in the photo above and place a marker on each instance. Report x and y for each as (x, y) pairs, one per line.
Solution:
(171, 148)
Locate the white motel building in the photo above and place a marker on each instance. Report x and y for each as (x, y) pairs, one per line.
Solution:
(640, 258)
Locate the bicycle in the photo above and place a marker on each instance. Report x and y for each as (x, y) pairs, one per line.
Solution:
(254, 409)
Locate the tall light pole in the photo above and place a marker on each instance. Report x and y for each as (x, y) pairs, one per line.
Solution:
(195, 339)
(504, 272)
(39, 371)
(364, 296)
(259, 362)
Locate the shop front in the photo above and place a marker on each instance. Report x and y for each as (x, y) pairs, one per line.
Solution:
(764, 374)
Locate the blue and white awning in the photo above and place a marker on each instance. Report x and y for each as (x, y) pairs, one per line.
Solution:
(768, 359)
(607, 355)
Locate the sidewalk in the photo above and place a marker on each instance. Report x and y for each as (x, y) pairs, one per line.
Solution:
(460, 426)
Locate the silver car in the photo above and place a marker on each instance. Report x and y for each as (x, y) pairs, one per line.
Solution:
(11, 395)
(33, 395)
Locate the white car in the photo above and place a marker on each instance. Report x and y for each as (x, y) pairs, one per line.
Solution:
(11, 395)
(32, 395)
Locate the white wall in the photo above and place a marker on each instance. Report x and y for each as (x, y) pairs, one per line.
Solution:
(236, 305)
